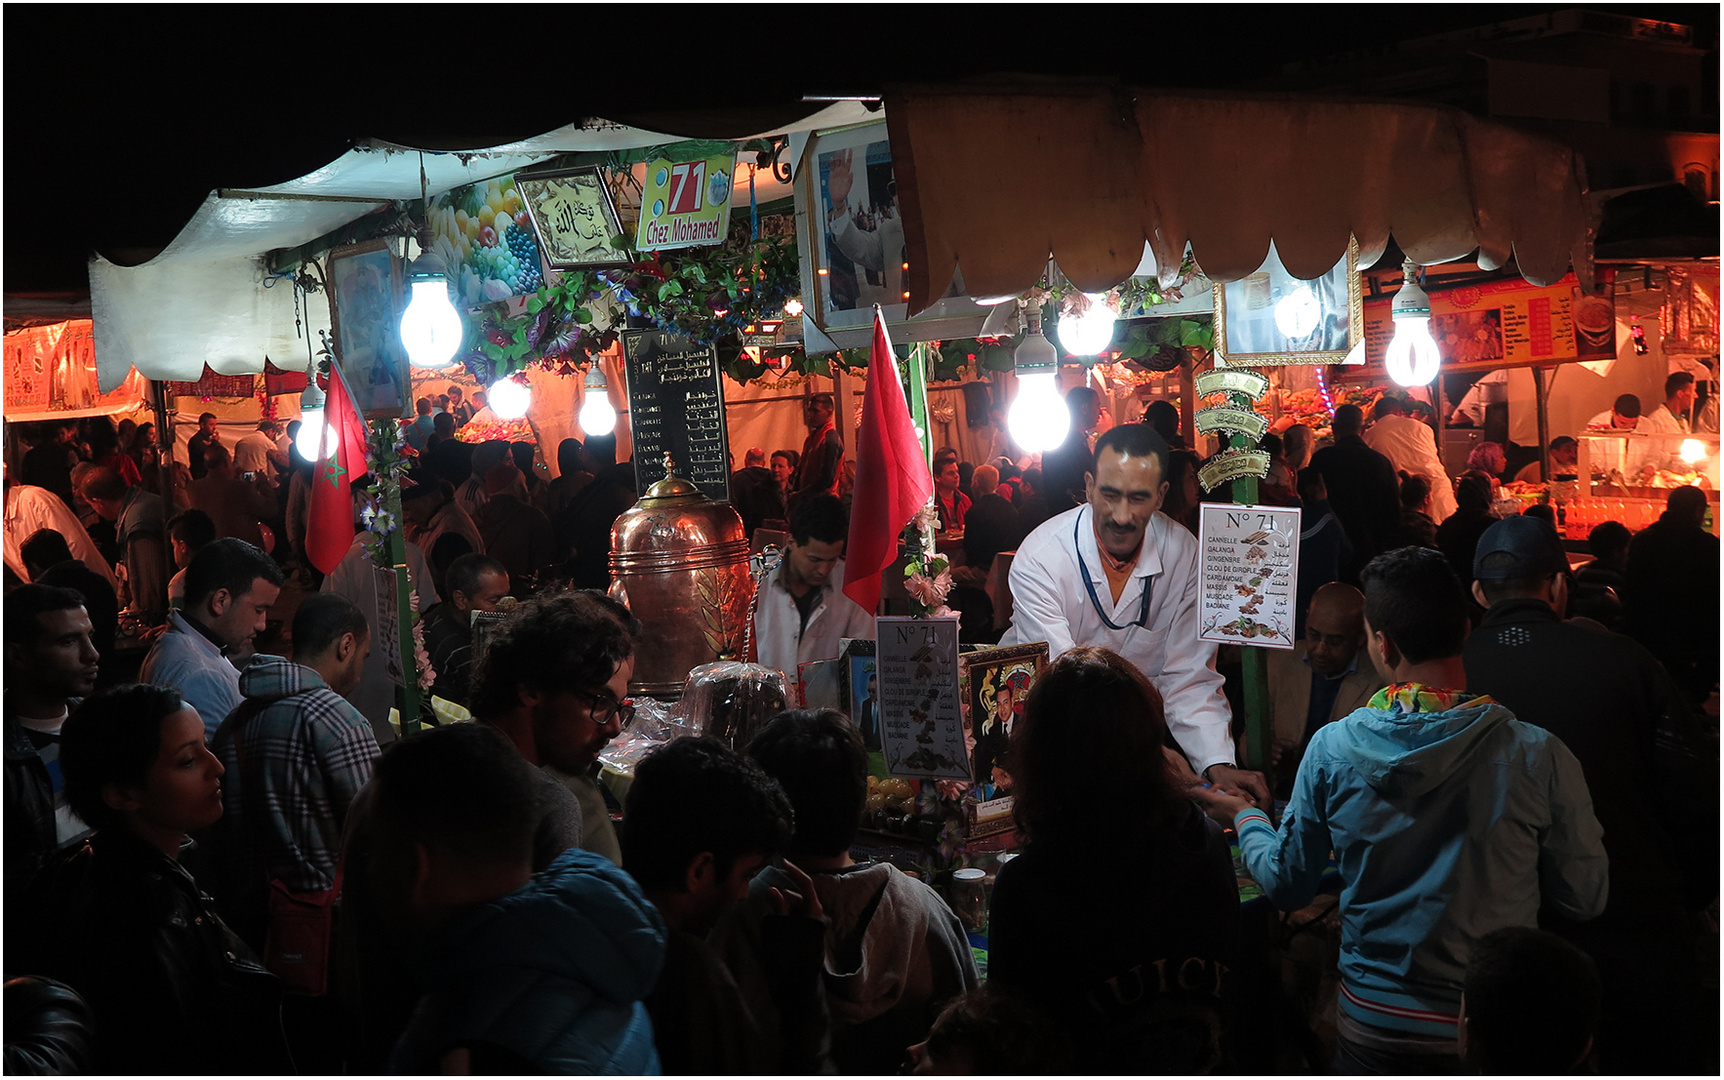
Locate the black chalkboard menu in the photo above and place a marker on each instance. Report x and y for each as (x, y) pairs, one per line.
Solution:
(676, 406)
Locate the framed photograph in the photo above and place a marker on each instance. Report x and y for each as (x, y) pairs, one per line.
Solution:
(851, 242)
(1273, 318)
(365, 317)
(859, 689)
(817, 685)
(574, 215)
(992, 686)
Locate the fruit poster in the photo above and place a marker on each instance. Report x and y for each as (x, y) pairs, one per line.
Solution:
(485, 236)
(1249, 569)
(922, 718)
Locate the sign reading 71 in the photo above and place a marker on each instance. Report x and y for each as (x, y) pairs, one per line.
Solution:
(685, 203)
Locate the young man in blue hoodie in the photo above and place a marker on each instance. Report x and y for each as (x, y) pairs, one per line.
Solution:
(1449, 819)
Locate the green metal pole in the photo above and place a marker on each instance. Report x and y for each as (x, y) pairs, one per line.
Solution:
(1255, 660)
(406, 695)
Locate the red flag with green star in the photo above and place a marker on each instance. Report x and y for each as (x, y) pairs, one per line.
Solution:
(329, 532)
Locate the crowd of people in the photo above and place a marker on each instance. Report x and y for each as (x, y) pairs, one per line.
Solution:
(233, 864)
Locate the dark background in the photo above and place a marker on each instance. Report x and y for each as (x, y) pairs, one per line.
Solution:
(120, 120)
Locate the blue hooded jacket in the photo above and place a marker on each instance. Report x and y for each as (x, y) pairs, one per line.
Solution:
(1447, 825)
(552, 973)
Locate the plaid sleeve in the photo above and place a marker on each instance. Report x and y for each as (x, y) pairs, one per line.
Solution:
(344, 746)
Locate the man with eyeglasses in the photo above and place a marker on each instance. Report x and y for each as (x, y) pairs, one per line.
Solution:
(1324, 678)
(553, 680)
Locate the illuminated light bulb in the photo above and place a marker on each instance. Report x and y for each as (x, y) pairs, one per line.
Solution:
(1088, 334)
(793, 307)
(311, 426)
(1298, 313)
(823, 271)
(993, 301)
(596, 415)
(1692, 450)
(1038, 419)
(1412, 358)
(509, 399)
(430, 327)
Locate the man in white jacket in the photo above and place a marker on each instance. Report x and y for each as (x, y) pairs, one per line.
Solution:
(801, 612)
(1412, 447)
(1115, 574)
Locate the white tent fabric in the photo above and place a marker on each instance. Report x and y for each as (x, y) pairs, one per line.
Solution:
(204, 298)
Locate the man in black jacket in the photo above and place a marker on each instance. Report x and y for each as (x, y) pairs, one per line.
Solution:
(1610, 702)
(1672, 592)
(1362, 491)
(50, 663)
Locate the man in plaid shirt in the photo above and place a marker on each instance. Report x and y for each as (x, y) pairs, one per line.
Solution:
(297, 752)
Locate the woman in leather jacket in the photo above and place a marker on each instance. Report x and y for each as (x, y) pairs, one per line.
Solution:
(173, 990)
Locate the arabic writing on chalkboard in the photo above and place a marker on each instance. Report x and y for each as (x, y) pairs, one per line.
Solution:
(676, 406)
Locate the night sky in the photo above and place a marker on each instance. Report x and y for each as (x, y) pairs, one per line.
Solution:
(121, 119)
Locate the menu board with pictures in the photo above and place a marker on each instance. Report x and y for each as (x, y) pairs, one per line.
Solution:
(922, 720)
(1249, 568)
(676, 407)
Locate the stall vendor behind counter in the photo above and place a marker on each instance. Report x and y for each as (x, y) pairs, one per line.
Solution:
(1114, 573)
(801, 613)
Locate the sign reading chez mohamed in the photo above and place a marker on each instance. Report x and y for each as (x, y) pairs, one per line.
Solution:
(685, 203)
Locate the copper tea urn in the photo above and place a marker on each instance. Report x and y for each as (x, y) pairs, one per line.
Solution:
(679, 561)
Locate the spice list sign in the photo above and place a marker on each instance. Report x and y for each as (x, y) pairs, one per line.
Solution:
(685, 203)
(1249, 569)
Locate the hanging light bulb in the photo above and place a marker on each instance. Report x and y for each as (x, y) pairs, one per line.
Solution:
(430, 327)
(509, 398)
(1092, 331)
(1298, 313)
(1693, 450)
(312, 429)
(1412, 359)
(793, 307)
(1038, 419)
(597, 417)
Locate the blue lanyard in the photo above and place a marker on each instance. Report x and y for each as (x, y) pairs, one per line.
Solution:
(1095, 601)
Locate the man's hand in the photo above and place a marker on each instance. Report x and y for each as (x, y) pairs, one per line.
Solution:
(1220, 805)
(839, 178)
(1241, 782)
(801, 900)
(1278, 749)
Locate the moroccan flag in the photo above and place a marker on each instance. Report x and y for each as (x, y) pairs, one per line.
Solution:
(892, 478)
(329, 532)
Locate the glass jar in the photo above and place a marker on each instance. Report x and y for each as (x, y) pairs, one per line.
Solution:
(970, 897)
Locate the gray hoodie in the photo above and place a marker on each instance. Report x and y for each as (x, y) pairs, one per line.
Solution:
(895, 954)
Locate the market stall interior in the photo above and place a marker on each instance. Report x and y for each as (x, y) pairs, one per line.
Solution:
(791, 503)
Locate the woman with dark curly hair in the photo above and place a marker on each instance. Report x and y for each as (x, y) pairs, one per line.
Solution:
(173, 990)
(1121, 917)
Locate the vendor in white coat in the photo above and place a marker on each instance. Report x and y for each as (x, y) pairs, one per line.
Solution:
(1411, 446)
(1114, 573)
(801, 612)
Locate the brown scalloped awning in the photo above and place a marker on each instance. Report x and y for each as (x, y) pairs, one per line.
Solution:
(993, 179)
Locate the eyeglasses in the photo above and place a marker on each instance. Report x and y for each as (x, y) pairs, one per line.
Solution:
(604, 707)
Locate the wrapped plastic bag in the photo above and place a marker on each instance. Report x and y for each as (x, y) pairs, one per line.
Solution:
(730, 700)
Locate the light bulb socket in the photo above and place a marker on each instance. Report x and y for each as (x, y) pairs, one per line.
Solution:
(427, 266)
(1411, 302)
(596, 378)
(1035, 355)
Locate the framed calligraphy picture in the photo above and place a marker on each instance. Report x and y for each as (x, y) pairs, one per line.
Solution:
(575, 216)
(365, 315)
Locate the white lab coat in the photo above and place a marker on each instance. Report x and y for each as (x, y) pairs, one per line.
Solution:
(29, 509)
(1050, 603)
(1412, 447)
(780, 640)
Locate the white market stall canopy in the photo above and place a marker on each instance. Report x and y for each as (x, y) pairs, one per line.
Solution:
(1093, 172)
(208, 298)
